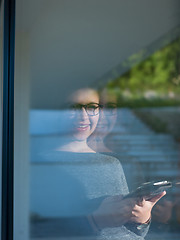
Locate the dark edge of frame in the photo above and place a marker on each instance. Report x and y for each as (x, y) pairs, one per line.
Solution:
(8, 120)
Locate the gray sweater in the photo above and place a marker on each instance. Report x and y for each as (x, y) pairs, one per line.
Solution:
(85, 179)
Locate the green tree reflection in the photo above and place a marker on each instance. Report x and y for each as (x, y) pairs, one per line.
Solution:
(152, 82)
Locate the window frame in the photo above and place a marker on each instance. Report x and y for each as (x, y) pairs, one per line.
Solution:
(8, 121)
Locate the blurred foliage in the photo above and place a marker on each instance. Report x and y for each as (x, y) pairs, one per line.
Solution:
(142, 102)
(152, 82)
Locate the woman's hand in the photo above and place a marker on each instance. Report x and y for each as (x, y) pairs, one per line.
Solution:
(141, 212)
(115, 211)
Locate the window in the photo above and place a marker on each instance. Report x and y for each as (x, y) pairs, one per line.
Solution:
(96, 111)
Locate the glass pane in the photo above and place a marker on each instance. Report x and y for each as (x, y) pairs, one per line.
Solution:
(96, 117)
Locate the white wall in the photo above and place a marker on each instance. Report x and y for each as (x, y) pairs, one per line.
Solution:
(75, 43)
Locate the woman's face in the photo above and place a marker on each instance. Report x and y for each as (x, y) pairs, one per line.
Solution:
(107, 116)
(107, 119)
(84, 113)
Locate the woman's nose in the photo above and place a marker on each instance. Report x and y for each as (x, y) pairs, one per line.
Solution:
(102, 115)
(83, 113)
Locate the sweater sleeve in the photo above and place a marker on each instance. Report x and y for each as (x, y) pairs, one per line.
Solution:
(128, 231)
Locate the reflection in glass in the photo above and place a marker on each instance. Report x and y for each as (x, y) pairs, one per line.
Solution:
(78, 150)
(86, 187)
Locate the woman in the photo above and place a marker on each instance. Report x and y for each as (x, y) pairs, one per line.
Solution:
(92, 185)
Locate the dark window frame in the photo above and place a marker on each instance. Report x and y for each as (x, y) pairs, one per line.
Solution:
(8, 121)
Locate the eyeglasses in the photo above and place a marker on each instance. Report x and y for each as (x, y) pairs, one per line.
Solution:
(109, 108)
(92, 109)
